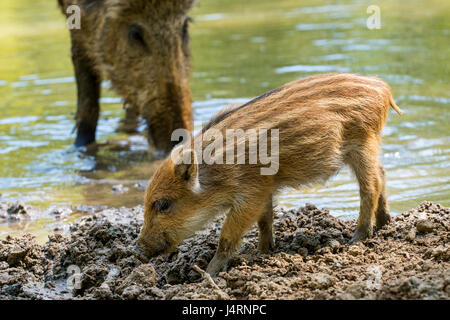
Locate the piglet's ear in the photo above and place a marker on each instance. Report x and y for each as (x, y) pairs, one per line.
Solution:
(185, 166)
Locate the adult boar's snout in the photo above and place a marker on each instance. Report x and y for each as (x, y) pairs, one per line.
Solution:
(170, 111)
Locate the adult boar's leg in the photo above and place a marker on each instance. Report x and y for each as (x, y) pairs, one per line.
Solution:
(130, 123)
(88, 88)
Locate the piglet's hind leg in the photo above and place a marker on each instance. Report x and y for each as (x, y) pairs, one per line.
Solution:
(365, 165)
(265, 225)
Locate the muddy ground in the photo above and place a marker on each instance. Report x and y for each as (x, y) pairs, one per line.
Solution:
(408, 259)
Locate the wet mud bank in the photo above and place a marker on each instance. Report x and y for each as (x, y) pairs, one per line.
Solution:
(96, 259)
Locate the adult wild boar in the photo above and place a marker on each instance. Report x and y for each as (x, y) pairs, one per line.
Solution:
(142, 47)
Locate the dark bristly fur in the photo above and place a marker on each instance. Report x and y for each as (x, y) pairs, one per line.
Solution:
(142, 47)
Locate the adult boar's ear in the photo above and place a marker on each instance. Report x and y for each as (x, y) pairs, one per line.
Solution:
(186, 168)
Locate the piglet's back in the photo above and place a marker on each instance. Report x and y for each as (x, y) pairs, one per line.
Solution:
(348, 99)
(321, 120)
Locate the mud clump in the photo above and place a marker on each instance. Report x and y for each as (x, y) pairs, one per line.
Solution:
(425, 226)
(97, 259)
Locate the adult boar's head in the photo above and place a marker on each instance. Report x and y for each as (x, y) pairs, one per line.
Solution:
(143, 47)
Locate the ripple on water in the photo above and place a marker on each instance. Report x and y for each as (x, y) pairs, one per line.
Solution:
(335, 10)
(19, 84)
(323, 26)
(41, 82)
(14, 120)
(370, 44)
(333, 57)
(211, 17)
(13, 145)
(311, 68)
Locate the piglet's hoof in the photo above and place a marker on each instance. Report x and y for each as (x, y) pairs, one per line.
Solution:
(382, 220)
(266, 246)
(360, 236)
(217, 264)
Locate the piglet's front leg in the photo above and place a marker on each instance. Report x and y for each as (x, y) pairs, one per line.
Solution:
(234, 227)
(220, 261)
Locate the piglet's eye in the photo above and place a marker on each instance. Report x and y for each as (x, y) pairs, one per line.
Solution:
(162, 205)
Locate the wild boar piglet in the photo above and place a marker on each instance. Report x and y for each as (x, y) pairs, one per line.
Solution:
(311, 128)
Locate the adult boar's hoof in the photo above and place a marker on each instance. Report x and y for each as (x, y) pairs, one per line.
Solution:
(85, 135)
(131, 121)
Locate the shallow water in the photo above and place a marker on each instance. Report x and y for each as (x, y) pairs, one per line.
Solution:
(239, 51)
